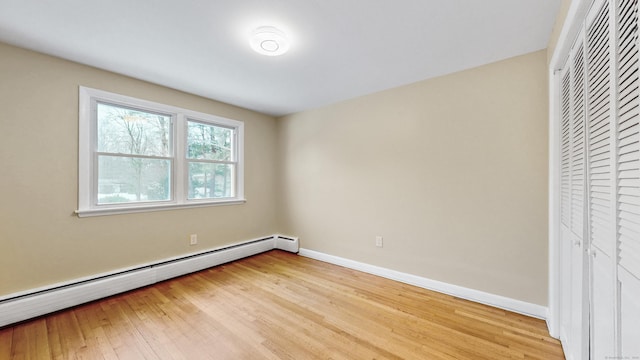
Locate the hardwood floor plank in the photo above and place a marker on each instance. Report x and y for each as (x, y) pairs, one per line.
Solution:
(6, 343)
(279, 305)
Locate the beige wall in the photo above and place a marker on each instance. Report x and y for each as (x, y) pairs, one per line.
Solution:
(41, 241)
(451, 171)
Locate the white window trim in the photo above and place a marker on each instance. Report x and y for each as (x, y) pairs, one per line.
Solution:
(86, 148)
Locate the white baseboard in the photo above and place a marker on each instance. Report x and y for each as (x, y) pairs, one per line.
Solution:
(36, 302)
(498, 301)
(29, 304)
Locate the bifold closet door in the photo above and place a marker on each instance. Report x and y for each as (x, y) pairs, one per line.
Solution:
(601, 181)
(628, 178)
(566, 244)
(574, 290)
(600, 186)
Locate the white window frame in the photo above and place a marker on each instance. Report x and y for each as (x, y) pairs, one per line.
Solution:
(87, 148)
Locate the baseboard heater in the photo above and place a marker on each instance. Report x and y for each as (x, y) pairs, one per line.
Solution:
(23, 306)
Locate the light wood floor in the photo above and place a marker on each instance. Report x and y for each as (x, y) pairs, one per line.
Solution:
(279, 305)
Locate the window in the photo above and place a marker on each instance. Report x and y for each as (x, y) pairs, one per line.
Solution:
(137, 155)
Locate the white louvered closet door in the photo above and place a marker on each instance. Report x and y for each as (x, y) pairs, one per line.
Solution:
(600, 185)
(601, 226)
(628, 177)
(566, 243)
(579, 289)
(573, 322)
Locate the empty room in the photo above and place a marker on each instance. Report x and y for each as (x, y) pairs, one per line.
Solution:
(412, 179)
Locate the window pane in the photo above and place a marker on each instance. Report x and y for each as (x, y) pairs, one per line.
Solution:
(129, 179)
(207, 181)
(209, 142)
(127, 131)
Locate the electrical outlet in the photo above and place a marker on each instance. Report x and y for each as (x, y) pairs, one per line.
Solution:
(193, 239)
(379, 241)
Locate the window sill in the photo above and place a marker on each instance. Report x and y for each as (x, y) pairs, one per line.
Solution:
(151, 208)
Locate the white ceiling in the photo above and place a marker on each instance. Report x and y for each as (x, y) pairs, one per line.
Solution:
(340, 48)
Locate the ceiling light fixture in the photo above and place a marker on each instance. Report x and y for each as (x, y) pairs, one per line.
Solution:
(267, 40)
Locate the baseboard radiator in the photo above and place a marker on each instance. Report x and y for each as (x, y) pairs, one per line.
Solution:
(24, 306)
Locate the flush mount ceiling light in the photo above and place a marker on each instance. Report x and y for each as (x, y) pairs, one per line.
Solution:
(267, 40)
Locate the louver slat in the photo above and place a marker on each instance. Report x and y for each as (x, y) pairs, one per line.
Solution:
(599, 133)
(628, 136)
